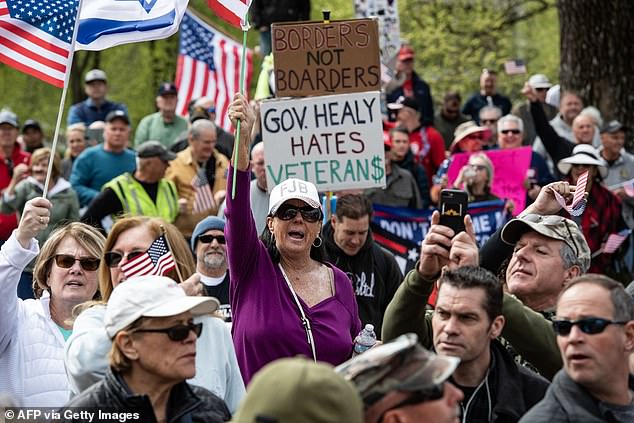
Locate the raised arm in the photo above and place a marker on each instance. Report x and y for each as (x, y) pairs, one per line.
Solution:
(15, 254)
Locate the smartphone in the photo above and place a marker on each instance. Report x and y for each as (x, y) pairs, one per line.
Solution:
(453, 208)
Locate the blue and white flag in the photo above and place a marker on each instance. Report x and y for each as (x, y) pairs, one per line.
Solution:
(109, 23)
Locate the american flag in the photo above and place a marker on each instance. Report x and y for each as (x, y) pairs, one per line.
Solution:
(203, 196)
(232, 11)
(614, 241)
(579, 202)
(157, 260)
(514, 67)
(35, 37)
(208, 66)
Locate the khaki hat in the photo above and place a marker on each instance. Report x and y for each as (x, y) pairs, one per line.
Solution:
(583, 154)
(551, 226)
(292, 390)
(465, 129)
(400, 365)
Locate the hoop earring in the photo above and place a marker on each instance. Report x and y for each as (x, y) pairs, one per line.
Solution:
(319, 242)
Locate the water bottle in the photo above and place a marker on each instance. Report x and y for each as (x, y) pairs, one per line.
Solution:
(365, 340)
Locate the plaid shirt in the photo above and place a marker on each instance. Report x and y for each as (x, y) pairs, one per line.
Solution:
(601, 218)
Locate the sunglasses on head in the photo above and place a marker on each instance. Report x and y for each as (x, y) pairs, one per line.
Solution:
(288, 212)
(512, 131)
(66, 261)
(113, 258)
(208, 239)
(590, 325)
(179, 332)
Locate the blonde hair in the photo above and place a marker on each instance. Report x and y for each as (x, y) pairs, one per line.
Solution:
(45, 153)
(75, 127)
(88, 237)
(180, 249)
(487, 163)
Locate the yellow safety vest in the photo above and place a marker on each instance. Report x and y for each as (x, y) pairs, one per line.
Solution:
(136, 201)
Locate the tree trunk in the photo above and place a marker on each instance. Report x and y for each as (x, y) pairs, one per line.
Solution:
(597, 56)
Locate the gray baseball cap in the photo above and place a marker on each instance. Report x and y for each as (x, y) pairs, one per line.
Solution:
(551, 226)
(154, 149)
(9, 117)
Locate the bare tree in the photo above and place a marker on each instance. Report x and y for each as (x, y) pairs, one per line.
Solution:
(597, 55)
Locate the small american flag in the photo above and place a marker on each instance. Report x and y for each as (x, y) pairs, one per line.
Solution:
(232, 11)
(157, 260)
(514, 67)
(614, 241)
(35, 37)
(578, 205)
(203, 197)
(209, 66)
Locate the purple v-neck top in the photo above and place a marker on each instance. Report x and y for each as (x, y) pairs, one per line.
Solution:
(266, 320)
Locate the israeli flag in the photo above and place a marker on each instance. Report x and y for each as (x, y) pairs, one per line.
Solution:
(109, 23)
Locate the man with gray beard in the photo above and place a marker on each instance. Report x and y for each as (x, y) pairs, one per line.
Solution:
(209, 246)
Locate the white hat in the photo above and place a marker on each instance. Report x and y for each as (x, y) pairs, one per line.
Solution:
(583, 154)
(151, 296)
(539, 81)
(95, 75)
(293, 189)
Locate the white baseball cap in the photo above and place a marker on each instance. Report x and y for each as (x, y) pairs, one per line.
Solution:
(539, 81)
(151, 296)
(293, 188)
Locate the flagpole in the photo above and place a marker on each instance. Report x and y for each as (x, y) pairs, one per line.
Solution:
(167, 240)
(69, 64)
(245, 28)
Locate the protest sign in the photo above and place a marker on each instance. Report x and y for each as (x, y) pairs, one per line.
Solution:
(386, 12)
(317, 58)
(335, 142)
(510, 167)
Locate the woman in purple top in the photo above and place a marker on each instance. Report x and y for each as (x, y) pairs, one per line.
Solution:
(286, 301)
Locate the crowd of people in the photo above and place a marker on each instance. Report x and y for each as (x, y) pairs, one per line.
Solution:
(136, 284)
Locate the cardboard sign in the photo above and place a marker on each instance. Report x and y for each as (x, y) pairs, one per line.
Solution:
(335, 142)
(510, 167)
(314, 58)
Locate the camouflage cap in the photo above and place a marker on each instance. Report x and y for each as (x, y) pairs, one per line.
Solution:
(551, 226)
(293, 390)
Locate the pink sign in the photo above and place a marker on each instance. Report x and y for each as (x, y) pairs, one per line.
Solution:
(510, 166)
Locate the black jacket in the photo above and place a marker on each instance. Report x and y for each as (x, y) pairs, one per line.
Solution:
(422, 94)
(187, 403)
(566, 402)
(374, 273)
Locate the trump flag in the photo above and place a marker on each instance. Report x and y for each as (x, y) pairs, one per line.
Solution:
(108, 23)
(208, 66)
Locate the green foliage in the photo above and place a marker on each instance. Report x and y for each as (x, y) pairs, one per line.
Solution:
(453, 39)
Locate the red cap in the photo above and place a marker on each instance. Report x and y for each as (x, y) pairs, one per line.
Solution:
(405, 53)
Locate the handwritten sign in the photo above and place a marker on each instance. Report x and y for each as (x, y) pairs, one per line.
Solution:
(335, 142)
(510, 167)
(314, 58)
(386, 12)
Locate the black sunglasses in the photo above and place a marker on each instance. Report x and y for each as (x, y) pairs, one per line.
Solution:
(179, 332)
(66, 261)
(113, 258)
(288, 212)
(208, 239)
(590, 325)
(512, 131)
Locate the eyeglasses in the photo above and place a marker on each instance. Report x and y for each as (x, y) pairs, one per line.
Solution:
(590, 325)
(113, 258)
(488, 121)
(288, 212)
(477, 167)
(551, 220)
(512, 131)
(208, 239)
(66, 261)
(179, 332)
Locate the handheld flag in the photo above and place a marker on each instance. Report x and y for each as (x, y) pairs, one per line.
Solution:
(231, 11)
(578, 205)
(203, 196)
(157, 260)
(614, 241)
(109, 23)
(36, 36)
(514, 67)
(208, 66)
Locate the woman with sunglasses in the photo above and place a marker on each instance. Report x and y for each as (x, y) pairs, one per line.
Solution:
(87, 349)
(33, 332)
(286, 301)
(150, 321)
(476, 177)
